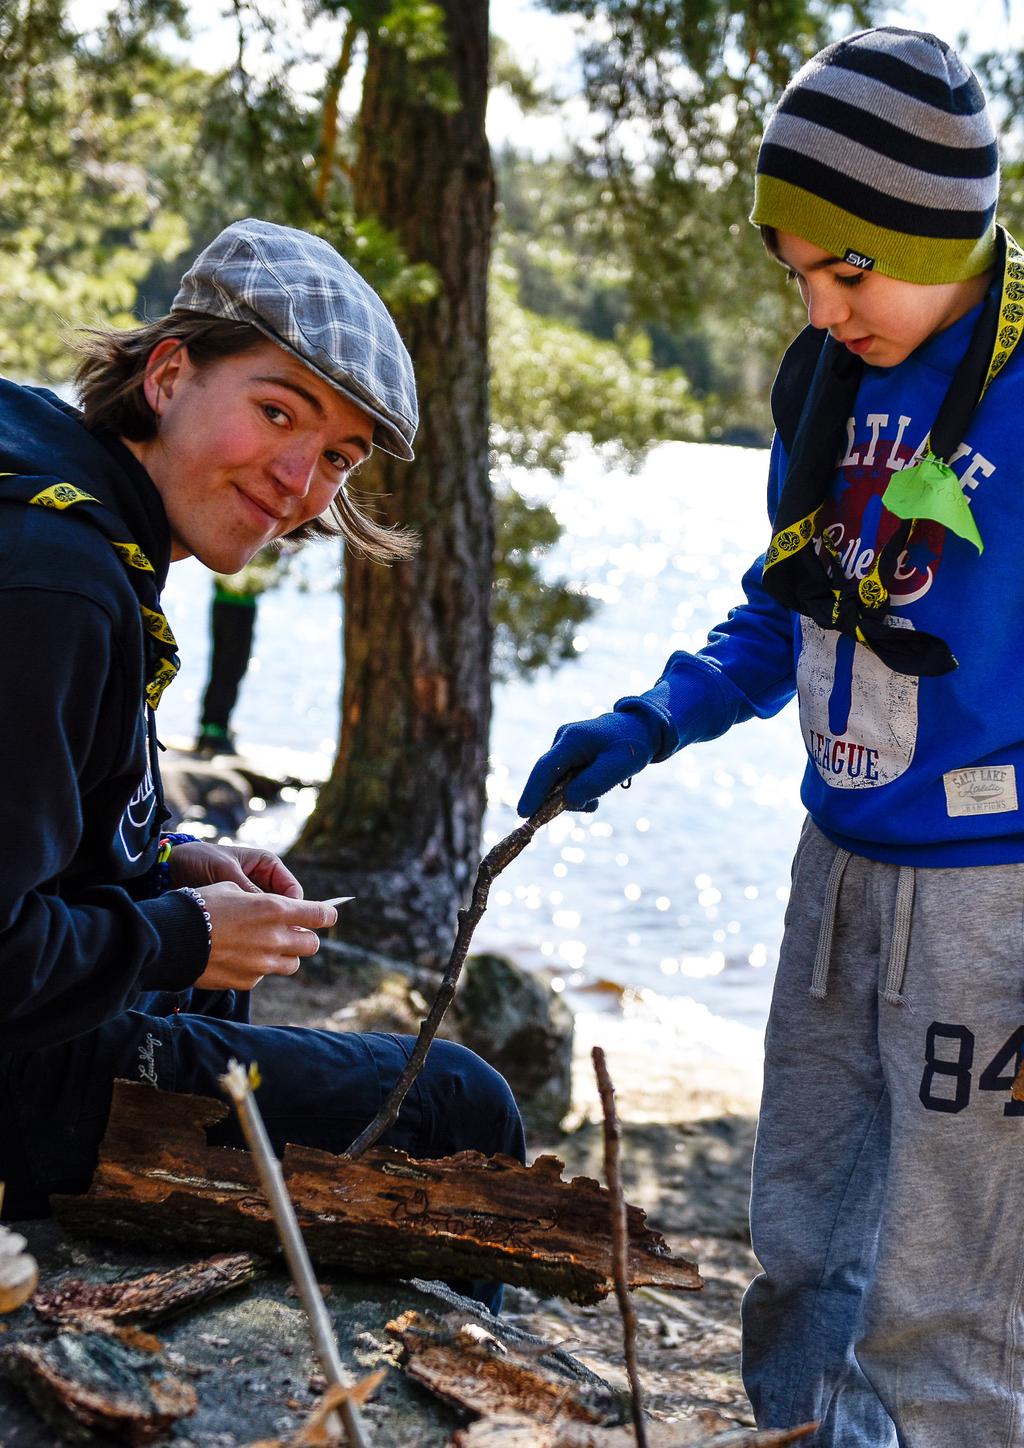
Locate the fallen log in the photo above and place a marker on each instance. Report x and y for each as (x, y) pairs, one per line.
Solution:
(148, 1299)
(113, 1382)
(466, 1216)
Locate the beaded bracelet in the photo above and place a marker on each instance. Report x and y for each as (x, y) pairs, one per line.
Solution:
(194, 894)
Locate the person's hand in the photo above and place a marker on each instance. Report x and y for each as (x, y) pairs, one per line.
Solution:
(255, 934)
(600, 753)
(250, 869)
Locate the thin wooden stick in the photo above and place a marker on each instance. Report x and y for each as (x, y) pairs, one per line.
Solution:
(238, 1085)
(620, 1238)
(503, 853)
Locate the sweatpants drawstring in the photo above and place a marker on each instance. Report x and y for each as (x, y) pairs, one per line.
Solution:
(893, 992)
(823, 955)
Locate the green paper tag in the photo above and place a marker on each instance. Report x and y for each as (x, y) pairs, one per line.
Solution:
(931, 489)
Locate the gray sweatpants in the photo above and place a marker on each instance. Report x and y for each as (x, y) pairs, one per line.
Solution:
(888, 1194)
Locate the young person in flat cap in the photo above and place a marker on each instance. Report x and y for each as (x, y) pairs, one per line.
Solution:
(889, 1168)
(237, 419)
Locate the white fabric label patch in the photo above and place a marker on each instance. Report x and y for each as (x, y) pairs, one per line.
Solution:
(983, 789)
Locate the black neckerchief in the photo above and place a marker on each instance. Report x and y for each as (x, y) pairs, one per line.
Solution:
(812, 580)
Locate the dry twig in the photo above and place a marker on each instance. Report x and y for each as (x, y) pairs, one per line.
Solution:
(237, 1083)
(503, 853)
(620, 1240)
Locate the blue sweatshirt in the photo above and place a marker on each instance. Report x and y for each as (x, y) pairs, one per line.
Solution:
(80, 800)
(925, 771)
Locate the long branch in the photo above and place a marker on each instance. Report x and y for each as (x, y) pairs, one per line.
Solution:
(620, 1237)
(503, 853)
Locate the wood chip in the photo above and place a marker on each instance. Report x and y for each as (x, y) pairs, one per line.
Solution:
(101, 1381)
(151, 1298)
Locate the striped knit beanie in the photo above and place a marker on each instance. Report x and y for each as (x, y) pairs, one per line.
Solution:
(882, 152)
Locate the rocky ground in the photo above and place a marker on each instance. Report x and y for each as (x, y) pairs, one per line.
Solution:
(691, 1177)
(688, 1131)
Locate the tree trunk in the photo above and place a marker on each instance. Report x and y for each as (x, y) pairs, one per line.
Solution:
(398, 822)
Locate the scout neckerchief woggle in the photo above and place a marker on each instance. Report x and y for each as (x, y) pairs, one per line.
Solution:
(162, 662)
(812, 580)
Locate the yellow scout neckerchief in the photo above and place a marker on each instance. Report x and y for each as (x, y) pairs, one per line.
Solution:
(162, 662)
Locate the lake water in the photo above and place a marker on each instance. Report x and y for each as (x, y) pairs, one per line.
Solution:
(675, 888)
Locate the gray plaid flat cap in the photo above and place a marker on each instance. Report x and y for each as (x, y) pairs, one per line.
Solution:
(301, 294)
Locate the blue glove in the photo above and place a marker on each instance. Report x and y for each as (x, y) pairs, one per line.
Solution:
(604, 752)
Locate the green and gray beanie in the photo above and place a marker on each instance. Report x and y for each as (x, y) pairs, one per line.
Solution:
(882, 152)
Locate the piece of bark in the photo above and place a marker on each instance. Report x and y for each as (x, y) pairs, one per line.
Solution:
(523, 1401)
(472, 1369)
(148, 1299)
(463, 1216)
(113, 1382)
(519, 1433)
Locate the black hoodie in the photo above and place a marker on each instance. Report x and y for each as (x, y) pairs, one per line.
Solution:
(80, 798)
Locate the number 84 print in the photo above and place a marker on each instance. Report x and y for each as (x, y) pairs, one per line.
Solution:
(949, 1064)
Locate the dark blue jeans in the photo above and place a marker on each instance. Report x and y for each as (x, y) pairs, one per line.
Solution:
(320, 1088)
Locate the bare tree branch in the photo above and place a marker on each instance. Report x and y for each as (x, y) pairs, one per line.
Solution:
(620, 1240)
(503, 853)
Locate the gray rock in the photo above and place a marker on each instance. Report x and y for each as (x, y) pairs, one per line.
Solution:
(510, 1017)
(198, 792)
(516, 1021)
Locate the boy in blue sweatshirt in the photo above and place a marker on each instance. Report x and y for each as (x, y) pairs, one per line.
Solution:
(889, 1167)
